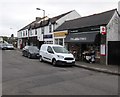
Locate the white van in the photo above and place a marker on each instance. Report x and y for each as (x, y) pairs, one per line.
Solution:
(56, 54)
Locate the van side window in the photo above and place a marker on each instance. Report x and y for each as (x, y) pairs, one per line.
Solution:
(49, 49)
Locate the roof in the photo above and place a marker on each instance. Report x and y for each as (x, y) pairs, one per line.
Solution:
(54, 19)
(34, 24)
(27, 27)
(88, 21)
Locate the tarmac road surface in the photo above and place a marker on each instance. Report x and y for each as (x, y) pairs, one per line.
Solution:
(23, 76)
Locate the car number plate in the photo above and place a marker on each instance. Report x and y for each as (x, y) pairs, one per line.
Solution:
(69, 61)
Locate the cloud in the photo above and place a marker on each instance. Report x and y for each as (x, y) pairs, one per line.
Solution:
(18, 13)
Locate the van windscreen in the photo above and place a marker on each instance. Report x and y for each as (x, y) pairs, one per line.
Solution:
(60, 49)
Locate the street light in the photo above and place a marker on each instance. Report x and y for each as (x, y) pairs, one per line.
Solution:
(42, 10)
(43, 20)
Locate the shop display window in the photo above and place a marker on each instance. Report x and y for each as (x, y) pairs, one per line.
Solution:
(59, 41)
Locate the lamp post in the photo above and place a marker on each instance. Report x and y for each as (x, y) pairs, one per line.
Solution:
(43, 20)
(42, 10)
(12, 36)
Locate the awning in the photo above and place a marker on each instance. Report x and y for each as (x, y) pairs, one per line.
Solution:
(87, 37)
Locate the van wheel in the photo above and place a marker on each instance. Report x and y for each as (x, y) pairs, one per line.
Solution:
(54, 62)
(29, 56)
(40, 59)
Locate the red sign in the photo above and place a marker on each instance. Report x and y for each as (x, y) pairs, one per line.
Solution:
(103, 30)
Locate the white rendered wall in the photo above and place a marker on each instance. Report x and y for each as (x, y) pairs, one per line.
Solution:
(70, 16)
(119, 20)
(112, 29)
(119, 7)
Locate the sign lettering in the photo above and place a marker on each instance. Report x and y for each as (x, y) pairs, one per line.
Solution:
(78, 38)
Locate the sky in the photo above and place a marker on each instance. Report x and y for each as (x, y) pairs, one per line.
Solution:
(15, 14)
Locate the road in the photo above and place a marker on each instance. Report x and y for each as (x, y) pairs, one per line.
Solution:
(23, 76)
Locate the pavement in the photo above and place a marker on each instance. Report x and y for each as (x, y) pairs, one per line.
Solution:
(110, 69)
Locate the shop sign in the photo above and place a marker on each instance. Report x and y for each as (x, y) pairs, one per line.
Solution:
(60, 34)
(102, 49)
(78, 38)
(73, 31)
(48, 36)
(103, 30)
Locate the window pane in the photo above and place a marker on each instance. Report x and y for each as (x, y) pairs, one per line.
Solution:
(56, 41)
(50, 28)
(42, 30)
(60, 41)
(35, 32)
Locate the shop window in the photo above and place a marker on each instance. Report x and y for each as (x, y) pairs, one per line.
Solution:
(50, 42)
(56, 41)
(61, 41)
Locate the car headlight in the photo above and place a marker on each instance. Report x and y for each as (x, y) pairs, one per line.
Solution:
(61, 57)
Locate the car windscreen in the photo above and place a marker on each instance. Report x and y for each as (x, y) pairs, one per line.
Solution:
(60, 49)
(33, 49)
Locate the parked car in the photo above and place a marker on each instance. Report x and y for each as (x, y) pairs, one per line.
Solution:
(9, 47)
(56, 54)
(2, 46)
(6, 46)
(30, 52)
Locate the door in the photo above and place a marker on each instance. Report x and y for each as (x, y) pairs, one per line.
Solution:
(49, 54)
(114, 52)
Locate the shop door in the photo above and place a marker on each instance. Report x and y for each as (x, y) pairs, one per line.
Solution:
(114, 52)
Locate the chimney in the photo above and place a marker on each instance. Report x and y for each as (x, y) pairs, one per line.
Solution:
(38, 19)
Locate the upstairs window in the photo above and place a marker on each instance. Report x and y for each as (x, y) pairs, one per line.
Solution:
(50, 28)
(23, 33)
(31, 32)
(26, 32)
(42, 30)
(35, 31)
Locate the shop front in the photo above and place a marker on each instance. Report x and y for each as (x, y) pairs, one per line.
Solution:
(48, 39)
(59, 37)
(81, 44)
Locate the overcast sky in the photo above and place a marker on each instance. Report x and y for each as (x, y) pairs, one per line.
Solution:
(15, 14)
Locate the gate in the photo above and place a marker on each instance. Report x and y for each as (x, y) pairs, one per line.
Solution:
(114, 52)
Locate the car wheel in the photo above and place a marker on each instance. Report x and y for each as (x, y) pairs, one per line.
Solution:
(40, 59)
(25, 54)
(29, 56)
(22, 54)
(54, 62)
